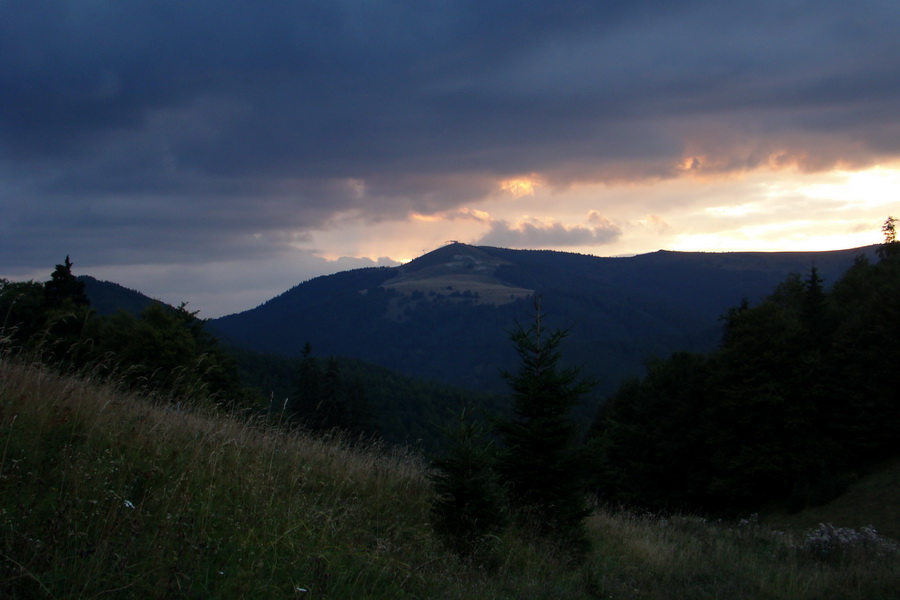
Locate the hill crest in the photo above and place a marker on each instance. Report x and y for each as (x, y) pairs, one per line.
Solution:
(457, 271)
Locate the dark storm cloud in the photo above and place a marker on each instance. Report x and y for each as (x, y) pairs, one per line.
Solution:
(187, 130)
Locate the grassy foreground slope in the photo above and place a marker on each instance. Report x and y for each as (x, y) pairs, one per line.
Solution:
(115, 496)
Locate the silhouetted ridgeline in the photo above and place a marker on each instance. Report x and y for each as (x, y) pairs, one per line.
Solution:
(445, 315)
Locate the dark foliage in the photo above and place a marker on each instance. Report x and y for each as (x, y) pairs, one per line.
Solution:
(470, 507)
(163, 349)
(64, 288)
(52, 317)
(324, 399)
(541, 462)
(405, 410)
(24, 311)
(168, 349)
(800, 396)
(651, 450)
(108, 298)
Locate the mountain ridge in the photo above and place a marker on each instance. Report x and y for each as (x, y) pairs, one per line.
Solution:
(446, 315)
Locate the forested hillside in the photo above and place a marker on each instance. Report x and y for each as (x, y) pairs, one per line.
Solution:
(445, 316)
(798, 400)
(108, 298)
(398, 408)
(440, 323)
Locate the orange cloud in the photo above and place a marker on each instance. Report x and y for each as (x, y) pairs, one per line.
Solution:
(520, 186)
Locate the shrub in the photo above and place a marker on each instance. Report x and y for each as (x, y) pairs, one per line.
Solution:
(469, 509)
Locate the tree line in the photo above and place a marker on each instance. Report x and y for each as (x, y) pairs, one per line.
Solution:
(799, 398)
(325, 400)
(163, 349)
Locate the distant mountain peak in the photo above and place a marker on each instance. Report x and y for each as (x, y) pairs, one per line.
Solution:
(457, 270)
(451, 255)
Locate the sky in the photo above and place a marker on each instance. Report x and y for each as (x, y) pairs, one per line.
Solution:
(220, 153)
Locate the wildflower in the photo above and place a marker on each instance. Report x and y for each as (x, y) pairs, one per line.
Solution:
(751, 521)
(828, 541)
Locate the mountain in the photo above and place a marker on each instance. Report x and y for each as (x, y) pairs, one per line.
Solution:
(446, 315)
(405, 410)
(107, 297)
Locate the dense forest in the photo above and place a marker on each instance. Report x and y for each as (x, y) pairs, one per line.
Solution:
(799, 398)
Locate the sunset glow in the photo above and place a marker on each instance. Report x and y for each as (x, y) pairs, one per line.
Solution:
(876, 187)
(518, 187)
(225, 172)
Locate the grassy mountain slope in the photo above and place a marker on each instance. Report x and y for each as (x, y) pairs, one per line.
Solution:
(107, 495)
(457, 267)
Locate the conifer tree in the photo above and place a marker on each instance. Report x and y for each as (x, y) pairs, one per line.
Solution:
(360, 419)
(65, 287)
(331, 410)
(304, 404)
(541, 463)
(469, 508)
(67, 316)
(890, 247)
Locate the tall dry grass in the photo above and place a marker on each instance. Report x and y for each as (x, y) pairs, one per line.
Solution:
(105, 491)
(107, 494)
